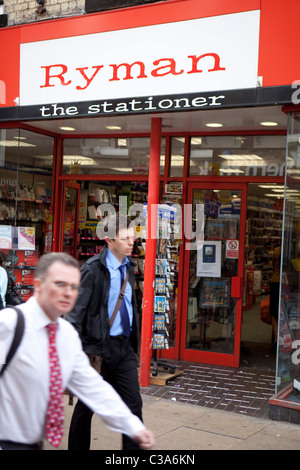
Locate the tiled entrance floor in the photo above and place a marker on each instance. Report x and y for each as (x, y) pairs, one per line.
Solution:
(245, 390)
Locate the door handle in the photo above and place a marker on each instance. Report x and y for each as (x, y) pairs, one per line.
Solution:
(236, 287)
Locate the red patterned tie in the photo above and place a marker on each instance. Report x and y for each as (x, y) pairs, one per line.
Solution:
(55, 412)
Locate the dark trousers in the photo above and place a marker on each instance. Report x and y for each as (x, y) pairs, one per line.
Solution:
(10, 445)
(121, 372)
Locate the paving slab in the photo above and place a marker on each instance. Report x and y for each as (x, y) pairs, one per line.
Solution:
(184, 438)
(180, 427)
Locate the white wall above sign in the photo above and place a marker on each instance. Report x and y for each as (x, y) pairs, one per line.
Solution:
(200, 55)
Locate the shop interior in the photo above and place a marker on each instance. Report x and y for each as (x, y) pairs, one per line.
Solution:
(263, 234)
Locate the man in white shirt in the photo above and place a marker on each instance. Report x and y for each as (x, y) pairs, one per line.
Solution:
(3, 280)
(24, 386)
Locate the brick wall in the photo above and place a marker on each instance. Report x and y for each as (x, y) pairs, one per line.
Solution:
(14, 12)
(26, 11)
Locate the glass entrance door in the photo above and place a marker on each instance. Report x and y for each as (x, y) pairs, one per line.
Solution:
(214, 260)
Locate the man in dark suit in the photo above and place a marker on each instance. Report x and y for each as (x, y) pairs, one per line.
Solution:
(101, 280)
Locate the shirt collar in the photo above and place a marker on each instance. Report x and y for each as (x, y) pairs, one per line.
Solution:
(37, 315)
(114, 262)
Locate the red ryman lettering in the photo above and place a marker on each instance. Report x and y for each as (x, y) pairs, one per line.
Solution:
(88, 80)
(171, 66)
(167, 66)
(60, 75)
(128, 67)
(195, 61)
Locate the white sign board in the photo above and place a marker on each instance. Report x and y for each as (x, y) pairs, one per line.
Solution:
(215, 53)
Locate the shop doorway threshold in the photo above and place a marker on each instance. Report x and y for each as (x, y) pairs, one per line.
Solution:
(245, 390)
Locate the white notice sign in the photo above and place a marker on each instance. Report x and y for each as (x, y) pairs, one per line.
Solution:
(232, 249)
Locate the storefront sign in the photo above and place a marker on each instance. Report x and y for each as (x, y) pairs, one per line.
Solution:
(215, 53)
(124, 106)
(153, 104)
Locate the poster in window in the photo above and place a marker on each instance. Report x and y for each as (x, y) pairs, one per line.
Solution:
(209, 259)
(26, 238)
(215, 293)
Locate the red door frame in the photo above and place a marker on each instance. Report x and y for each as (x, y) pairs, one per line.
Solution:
(207, 357)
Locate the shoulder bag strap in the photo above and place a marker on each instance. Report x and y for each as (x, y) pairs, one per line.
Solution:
(119, 301)
(17, 338)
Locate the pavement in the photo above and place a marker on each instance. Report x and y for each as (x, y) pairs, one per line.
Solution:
(185, 427)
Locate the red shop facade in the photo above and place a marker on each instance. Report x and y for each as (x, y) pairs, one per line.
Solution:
(176, 109)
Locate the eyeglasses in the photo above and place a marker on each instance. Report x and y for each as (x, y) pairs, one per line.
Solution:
(64, 285)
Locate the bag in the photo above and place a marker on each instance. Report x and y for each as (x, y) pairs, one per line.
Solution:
(17, 339)
(12, 296)
(120, 300)
(265, 315)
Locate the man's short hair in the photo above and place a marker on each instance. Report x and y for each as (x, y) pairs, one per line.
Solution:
(47, 260)
(111, 225)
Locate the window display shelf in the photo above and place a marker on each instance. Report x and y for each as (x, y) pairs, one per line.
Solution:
(264, 228)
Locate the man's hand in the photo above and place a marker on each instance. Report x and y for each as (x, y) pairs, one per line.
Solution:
(145, 439)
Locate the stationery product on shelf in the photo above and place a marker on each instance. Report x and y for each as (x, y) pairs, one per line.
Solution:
(21, 265)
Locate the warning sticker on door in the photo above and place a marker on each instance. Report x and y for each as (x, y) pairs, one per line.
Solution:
(232, 249)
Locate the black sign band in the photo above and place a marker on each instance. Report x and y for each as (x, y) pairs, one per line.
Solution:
(268, 96)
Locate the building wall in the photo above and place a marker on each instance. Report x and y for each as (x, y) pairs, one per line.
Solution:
(27, 11)
(17, 12)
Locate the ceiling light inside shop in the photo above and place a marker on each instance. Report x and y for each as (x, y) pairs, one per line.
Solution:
(231, 170)
(113, 128)
(125, 170)
(176, 160)
(84, 161)
(269, 123)
(110, 152)
(270, 186)
(67, 129)
(195, 140)
(240, 157)
(278, 196)
(288, 191)
(180, 139)
(214, 124)
(243, 160)
(14, 143)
